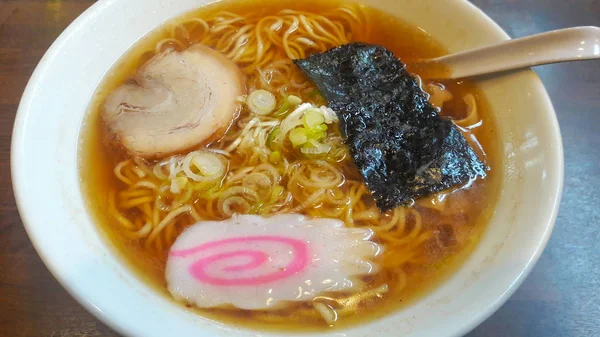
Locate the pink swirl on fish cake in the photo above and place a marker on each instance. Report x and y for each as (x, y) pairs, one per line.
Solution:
(257, 258)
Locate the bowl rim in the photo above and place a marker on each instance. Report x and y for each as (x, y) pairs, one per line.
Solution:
(25, 208)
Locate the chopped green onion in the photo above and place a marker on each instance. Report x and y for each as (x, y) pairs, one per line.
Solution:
(298, 136)
(261, 102)
(208, 165)
(178, 184)
(283, 109)
(207, 193)
(316, 134)
(294, 100)
(312, 118)
(275, 157)
(320, 127)
(277, 190)
(203, 166)
(272, 136)
(289, 102)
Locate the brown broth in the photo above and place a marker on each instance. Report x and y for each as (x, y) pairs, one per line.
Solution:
(98, 156)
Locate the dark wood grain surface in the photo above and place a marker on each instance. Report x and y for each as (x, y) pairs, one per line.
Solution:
(560, 298)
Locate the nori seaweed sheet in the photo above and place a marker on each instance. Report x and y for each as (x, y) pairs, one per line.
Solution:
(403, 149)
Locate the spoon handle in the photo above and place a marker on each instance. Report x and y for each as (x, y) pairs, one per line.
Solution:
(571, 44)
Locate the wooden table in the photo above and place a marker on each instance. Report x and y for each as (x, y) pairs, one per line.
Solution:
(560, 298)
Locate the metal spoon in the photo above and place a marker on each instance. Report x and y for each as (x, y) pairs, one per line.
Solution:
(571, 44)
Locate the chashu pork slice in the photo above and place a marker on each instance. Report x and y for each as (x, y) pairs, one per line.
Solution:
(177, 100)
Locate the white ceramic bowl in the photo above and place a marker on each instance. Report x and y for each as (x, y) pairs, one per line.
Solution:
(46, 182)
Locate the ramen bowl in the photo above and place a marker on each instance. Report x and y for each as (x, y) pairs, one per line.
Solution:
(48, 188)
